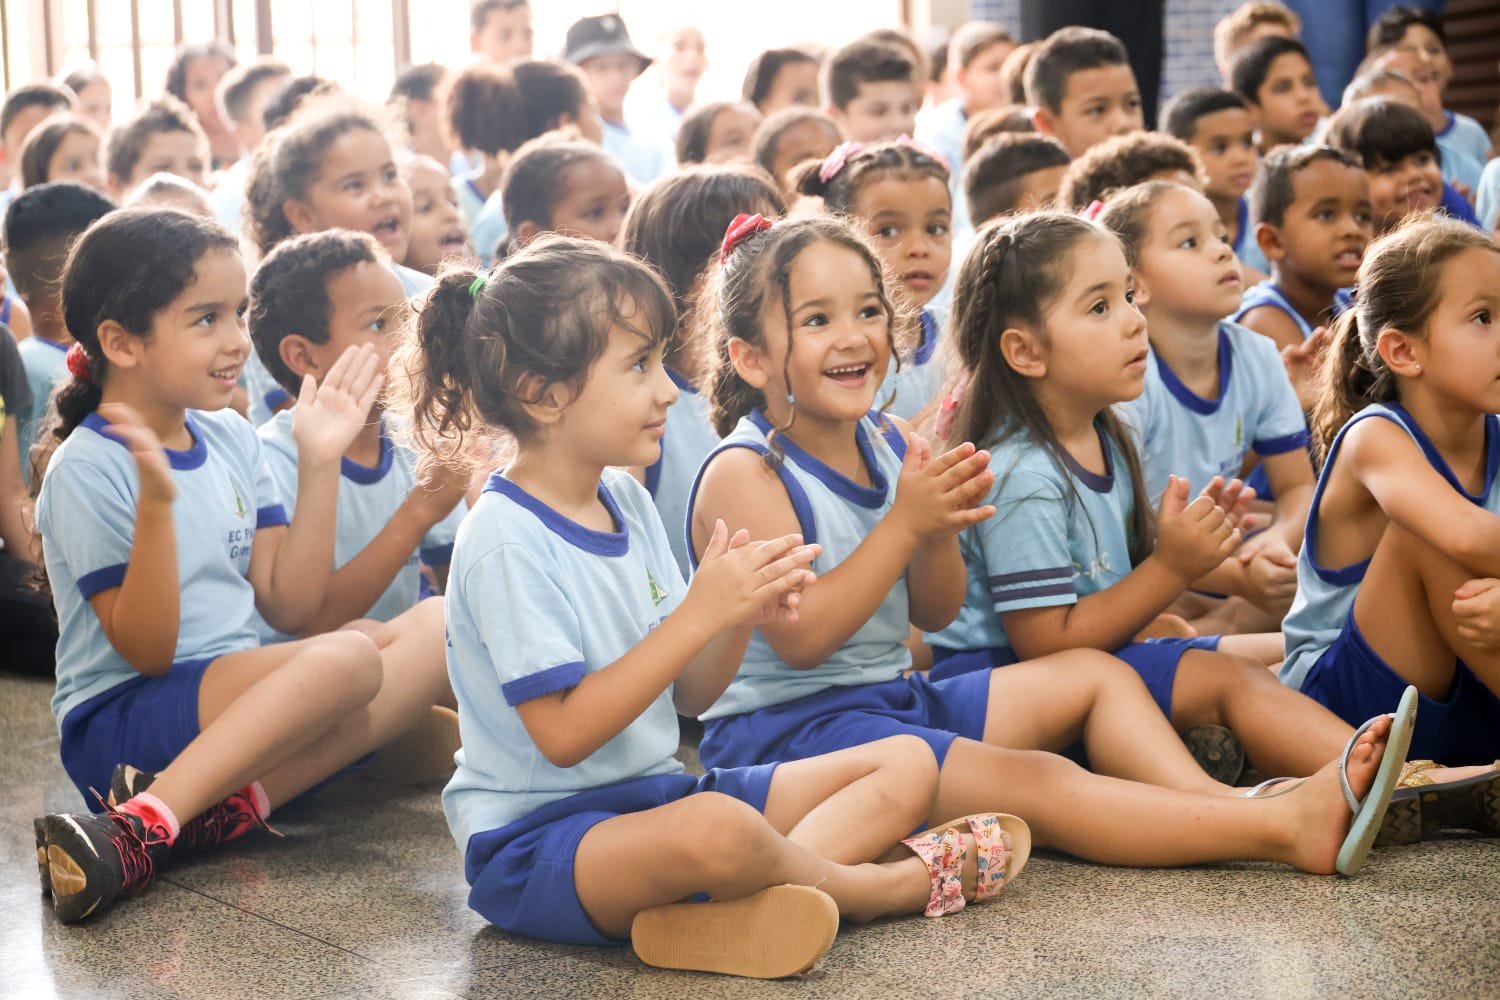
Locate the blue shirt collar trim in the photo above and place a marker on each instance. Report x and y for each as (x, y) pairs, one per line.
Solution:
(184, 460)
(1189, 398)
(367, 475)
(601, 543)
(1094, 481)
(872, 496)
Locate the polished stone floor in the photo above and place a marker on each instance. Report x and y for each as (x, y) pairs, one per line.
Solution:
(365, 899)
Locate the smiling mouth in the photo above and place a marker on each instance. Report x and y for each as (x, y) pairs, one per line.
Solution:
(453, 241)
(1349, 258)
(386, 228)
(847, 373)
(230, 374)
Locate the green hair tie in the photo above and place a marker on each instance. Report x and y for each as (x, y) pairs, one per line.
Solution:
(476, 285)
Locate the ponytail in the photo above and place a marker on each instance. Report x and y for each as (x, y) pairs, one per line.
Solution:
(1348, 381)
(435, 390)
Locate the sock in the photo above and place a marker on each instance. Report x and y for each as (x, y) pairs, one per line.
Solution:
(153, 812)
(256, 793)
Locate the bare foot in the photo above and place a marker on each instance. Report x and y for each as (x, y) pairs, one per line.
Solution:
(1319, 817)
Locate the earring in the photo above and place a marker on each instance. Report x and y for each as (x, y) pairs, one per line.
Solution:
(791, 400)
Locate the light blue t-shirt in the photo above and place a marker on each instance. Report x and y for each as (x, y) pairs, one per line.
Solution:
(1325, 594)
(413, 282)
(535, 602)
(489, 231)
(1266, 293)
(689, 440)
(837, 513)
(228, 196)
(1245, 247)
(86, 515)
(1465, 137)
(1057, 535)
(368, 499)
(643, 161)
(266, 394)
(46, 365)
(1185, 435)
(1487, 204)
(920, 379)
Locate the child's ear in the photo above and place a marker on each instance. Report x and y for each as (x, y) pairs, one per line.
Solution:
(548, 400)
(1044, 121)
(120, 347)
(296, 353)
(1268, 238)
(1142, 290)
(1401, 354)
(527, 231)
(749, 361)
(1023, 352)
(300, 215)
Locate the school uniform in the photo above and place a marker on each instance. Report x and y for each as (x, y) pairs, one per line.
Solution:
(1464, 137)
(1329, 660)
(107, 711)
(1268, 293)
(773, 711)
(642, 161)
(919, 380)
(368, 498)
(1487, 204)
(942, 129)
(46, 367)
(413, 282)
(228, 196)
(535, 603)
(1184, 434)
(689, 439)
(1059, 534)
(266, 395)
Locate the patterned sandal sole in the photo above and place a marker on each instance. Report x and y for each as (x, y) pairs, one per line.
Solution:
(44, 869)
(1217, 751)
(421, 755)
(777, 932)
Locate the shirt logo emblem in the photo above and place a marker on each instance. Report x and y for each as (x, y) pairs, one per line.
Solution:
(658, 594)
(239, 504)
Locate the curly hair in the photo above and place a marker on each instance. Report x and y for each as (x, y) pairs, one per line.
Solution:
(289, 292)
(1124, 161)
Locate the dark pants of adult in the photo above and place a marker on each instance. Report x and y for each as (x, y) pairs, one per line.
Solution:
(1334, 33)
(1138, 24)
(28, 627)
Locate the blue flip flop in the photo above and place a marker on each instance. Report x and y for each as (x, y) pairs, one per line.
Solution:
(1369, 811)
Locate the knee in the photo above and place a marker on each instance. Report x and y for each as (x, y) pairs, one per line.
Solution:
(349, 662)
(723, 837)
(909, 773)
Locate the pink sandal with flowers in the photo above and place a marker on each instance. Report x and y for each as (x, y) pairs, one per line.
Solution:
(1003, 846)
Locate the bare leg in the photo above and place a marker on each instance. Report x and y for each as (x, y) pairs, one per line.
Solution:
(1266, 648)
(1283, 731)
(1082, 695)
(852, 805)
(291, 715)
(1124, 823)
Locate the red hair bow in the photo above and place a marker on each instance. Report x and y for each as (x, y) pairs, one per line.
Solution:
(739, 230)
(78, 362)
(1093, 210)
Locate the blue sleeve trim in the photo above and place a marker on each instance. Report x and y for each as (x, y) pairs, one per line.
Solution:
(1032, 576)
(275, 397)
(543, 683)
(653, 471)
(1031, 593)
(273, 516)
(101, 580)
(438, 555)
(1279, 445)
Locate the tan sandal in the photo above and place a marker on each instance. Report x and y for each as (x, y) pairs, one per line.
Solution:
(422, 754)
(777, 932)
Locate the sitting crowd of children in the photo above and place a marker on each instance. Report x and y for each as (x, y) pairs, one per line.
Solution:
(987, 474)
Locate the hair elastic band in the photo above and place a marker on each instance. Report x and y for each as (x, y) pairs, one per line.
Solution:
(740, 230)
(833, 163)
(1092, 211)
(476, 286)
(78, 362)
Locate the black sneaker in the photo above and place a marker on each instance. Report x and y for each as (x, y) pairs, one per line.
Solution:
(228, 820)
(94, 860)
(39, 827)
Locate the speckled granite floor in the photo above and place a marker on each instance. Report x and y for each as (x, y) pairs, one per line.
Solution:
(365, 899)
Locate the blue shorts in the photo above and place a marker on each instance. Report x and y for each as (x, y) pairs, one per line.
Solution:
(1353, 682)
(1155, 660)
(521, 875)
(145, 721)
(842, 717)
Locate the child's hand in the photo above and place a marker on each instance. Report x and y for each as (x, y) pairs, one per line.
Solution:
(151, 464)
(1476, 610)
(750, 583)
(1192, 538)
(1233, 497)
(440, 486)
(1270, 570)
(935, 497)
(1302, 362)
(330, 416)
